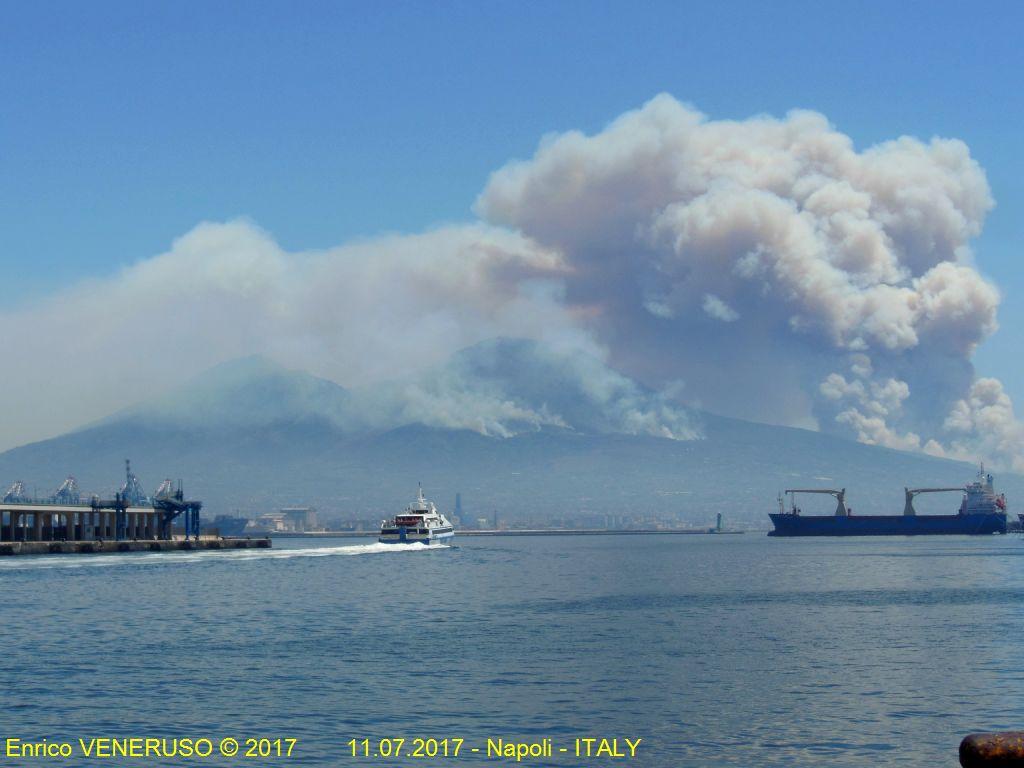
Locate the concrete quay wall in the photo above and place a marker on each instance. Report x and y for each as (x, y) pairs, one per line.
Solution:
(8, 548)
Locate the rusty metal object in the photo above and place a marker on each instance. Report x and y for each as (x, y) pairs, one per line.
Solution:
(988, 750)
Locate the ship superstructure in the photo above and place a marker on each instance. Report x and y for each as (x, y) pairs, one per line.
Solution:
(419, 523)
(981, 511)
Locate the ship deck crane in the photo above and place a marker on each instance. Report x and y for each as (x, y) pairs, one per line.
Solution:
(908, 507)
(840, 494)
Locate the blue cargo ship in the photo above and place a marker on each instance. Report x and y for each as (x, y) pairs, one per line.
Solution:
(981, 512)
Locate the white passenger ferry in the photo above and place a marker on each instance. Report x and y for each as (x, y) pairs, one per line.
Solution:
(420, 522)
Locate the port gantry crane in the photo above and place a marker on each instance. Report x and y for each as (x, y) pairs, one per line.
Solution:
(132, 491)
(908, 508)
(172, 502)
(15, 493)
(168, 502)
(840, 494)
(68, 492)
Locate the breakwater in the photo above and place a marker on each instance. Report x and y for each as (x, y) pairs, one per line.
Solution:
(520, 532)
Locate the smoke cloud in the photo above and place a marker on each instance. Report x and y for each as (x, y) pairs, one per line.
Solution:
(354, 314)
(780, 272)
(785, 275)
(383, 317)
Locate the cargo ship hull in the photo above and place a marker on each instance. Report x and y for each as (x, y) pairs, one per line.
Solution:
(787, 524)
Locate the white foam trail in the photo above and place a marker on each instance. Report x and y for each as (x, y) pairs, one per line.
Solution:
(47, 562)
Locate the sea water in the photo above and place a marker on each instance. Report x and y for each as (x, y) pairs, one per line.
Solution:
(714, 650)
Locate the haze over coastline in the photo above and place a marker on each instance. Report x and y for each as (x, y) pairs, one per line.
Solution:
(251, 434)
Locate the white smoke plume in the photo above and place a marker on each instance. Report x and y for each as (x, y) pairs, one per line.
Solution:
(506, 386)
(780, 272)
(785, 275)
(983, 423)
(372, 315)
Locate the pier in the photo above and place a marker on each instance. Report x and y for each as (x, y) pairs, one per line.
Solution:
(101, 520)
(129, 522)
(522, 532)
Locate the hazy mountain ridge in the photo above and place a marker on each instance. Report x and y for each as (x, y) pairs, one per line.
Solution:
(501, 387)
(247, 392)
(305, 446)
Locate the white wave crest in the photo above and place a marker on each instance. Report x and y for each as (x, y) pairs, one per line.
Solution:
(49, 562)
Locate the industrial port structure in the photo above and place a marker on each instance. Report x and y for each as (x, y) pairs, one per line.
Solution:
(130, 515)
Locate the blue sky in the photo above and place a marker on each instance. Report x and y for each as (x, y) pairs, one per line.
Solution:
(125, 124)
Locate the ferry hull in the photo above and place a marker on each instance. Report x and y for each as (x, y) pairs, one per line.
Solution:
(887, 525)
(416, 538)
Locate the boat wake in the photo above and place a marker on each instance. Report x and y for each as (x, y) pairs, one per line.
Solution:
(47, 562)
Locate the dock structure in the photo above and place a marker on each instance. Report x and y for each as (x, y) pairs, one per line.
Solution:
(24, 522)
(129, 516)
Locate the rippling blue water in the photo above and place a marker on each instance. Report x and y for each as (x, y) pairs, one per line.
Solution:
(733, 650)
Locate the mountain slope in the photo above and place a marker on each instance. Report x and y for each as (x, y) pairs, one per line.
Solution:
(248, 392)
(305, 446)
